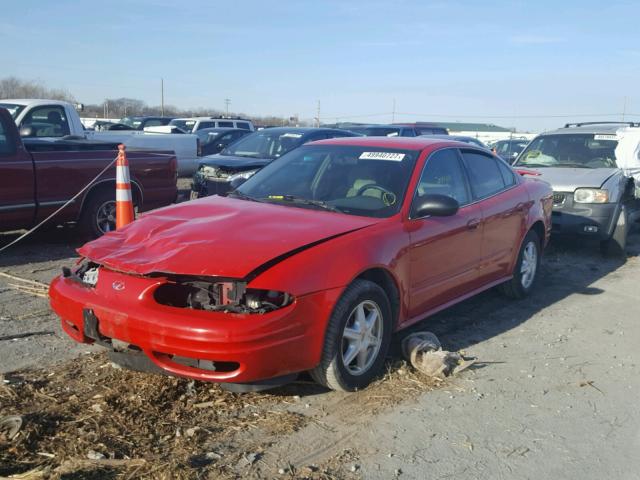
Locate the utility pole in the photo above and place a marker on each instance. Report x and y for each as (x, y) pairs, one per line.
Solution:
(227, 101)
(393, 112)
(318, 115)
(161, 96)
(624, 108)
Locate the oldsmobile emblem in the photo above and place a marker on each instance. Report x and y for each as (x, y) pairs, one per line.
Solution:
(118, 285)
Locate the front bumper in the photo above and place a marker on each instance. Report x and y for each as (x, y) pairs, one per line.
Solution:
(588, 219)
(204, 186)
(281, 342)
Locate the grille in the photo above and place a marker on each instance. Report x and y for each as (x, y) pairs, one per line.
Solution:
(558, 198)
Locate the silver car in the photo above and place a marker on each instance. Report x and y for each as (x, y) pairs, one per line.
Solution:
(593, 196)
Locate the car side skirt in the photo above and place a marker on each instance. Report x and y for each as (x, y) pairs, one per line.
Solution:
(444, 306)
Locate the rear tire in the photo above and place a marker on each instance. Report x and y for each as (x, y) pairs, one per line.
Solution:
(615, 245)
(357, 338)
(525, 272)
(99, 213)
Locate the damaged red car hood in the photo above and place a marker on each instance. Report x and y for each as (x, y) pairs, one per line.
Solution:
(216, 236)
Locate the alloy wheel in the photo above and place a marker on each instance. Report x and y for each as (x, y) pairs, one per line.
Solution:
(106, 217)
(362, 337)
(529, 264)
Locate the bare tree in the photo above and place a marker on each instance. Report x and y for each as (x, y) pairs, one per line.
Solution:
(12, 87)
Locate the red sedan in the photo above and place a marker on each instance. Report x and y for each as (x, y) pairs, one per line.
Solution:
(311, 264)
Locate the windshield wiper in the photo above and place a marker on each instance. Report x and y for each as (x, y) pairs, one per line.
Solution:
(243, 196)
(302, 201)
(531, 165)
(572, 165)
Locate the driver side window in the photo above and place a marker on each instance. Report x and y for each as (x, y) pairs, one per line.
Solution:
(442, 175)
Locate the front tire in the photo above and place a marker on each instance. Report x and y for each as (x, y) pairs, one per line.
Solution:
(357, 338)
(525, 272)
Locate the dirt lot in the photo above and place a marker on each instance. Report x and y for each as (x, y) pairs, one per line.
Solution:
(556, 396)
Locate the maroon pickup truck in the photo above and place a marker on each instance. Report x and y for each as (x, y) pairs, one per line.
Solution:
(37, 176)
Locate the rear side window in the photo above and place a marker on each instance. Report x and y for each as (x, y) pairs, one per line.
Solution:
(243, 125)
(507, 174)
(47, 121)
(484, 174)
(225, 124)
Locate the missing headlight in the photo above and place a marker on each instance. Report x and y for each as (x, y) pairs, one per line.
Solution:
(229, 297)
(86, 273)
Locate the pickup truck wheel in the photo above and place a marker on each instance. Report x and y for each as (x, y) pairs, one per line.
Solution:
(357, 338)
(525, 272)
(99, 213)
(615, 245)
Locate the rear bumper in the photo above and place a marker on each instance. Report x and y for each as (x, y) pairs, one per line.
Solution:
(257, 347)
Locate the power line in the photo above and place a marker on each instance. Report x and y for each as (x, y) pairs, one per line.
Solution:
(454, 116)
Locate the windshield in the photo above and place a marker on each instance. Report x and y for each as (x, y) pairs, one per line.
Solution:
(570, 150)
(185, 125)
(264, 144)
(14, 108)
(356, 180)
(131, 122)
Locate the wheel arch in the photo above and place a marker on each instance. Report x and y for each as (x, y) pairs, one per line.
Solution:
(538, 227)
(385, 280)
(102, 185)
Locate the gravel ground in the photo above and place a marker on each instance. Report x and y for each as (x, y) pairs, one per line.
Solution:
(555, 398)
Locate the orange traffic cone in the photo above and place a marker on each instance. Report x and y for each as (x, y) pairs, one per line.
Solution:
(124, 202)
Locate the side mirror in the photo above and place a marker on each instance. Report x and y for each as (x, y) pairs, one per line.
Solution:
(435, 206)
(236, 182)
(27, 131)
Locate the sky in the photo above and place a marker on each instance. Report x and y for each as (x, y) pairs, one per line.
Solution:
(529, 65)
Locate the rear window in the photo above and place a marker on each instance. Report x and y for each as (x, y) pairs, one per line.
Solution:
(6, 147)
(431, 131)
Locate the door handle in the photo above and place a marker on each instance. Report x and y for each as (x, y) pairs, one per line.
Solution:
(473, 223)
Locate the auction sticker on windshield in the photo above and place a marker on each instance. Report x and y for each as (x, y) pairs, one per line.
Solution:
(605, 137)
(391, 156)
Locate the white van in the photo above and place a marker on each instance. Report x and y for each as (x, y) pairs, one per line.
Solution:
(193, 124)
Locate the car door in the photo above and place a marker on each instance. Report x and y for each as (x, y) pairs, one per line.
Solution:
(505, 205)
(444, 251)
(17, 186)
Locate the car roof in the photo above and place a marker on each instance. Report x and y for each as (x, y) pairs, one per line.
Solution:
(378, 125)
(301, 130)
(404, 143)
(222, 129)
(606, 128)
(33, 101)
